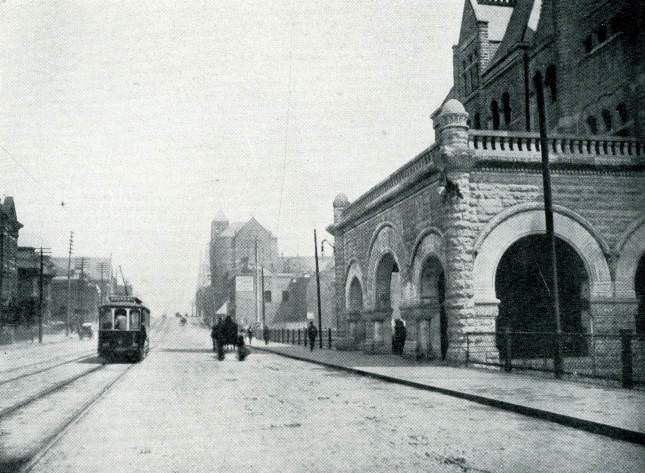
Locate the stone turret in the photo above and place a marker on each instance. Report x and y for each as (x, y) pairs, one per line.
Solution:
(341, 202)
(451, 134)
(219, 224)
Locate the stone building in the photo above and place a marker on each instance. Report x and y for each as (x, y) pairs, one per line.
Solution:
(452, 242)
(232, 250)
(9, 229)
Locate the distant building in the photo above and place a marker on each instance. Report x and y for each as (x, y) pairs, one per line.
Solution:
(91, 282)
(236, 283)
(9, 229)
(28, 262)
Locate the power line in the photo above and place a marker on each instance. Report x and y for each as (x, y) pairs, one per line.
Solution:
(28, 173)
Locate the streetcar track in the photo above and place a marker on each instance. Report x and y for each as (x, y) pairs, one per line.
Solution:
(46, 392)
(28, 365)
(50, 441)
(51, 367)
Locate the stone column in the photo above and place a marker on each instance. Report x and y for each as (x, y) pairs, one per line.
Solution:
(456, 161)
(378, 337)
(419, 327)
(341, 203)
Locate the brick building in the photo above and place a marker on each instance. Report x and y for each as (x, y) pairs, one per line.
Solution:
(452, 242)
(28, 263)
(9, 229)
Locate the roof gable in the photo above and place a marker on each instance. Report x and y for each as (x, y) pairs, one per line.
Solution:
(520, 28)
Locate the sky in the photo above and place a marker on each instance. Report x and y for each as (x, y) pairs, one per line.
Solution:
(133, 123)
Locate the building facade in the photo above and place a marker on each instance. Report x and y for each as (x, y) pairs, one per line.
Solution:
(453, 242)
(9, 230)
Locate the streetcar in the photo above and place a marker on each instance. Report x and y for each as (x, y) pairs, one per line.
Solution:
(124, 323)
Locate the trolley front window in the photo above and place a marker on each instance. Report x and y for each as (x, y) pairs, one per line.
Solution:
(106, 321)
(135, 319)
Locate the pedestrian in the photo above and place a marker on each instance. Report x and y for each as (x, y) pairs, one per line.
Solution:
(312, 332)
(242, 351)
(250, 334)
(398, 340)
(266, 334)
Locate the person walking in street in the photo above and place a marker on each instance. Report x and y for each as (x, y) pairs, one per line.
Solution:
(398, 340)
(312, 333)
(266, 333)
(249, 332)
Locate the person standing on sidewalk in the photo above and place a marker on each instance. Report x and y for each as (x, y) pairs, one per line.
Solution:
(249, 332)
(265, 333)
(312, 332)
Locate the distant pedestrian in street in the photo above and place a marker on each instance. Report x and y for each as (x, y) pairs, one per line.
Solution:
(250, 334)
(242, 351)
(266, 333)
(312, 333)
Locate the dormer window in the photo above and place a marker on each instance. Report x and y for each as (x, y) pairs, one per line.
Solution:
(622, 112)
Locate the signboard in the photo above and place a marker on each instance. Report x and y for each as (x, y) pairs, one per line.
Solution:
(244, 284)
(310, 316)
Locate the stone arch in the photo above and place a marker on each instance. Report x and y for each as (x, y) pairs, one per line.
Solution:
(385, 240)
(353, 272)
(629, 250)
(528, 219)
(429, 243)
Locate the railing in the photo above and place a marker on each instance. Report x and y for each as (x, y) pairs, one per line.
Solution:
(329, 336)
(521, 146)
(611, 357)
(406, 173)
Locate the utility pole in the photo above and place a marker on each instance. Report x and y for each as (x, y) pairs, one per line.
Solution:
(255, 281)
(69, 282)
(102, 267)
(320, 330)
(264, 322)
(548, 216)
(80, 288)
(41, 286)
(2, 226)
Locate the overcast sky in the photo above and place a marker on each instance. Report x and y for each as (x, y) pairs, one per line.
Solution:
(146, 117)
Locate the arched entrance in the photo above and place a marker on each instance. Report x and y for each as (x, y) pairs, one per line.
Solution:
(639, 288)
(432, 292)
(522, 283)
(387, 298)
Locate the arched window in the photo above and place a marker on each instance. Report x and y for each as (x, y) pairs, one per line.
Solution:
(606, 118)
(494, 109)
(592, 123)
(506, 107)
(478, 121)
(550, 82)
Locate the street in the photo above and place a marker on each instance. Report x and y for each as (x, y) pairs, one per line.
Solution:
(182, 410)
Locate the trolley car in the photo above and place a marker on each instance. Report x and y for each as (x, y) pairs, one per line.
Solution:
(123, 328)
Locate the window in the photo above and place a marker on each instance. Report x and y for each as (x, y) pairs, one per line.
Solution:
(506, 104)
(285, 296)
(588, 43)
(622, 112)
(478, 121)
(267, 296)
(245, 262)
(135, 319)
(592, 123)
(494, 108)
(550, 81)
(601, 32)
(606, 118)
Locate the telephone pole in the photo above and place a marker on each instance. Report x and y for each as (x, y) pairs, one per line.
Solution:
(548, 217)
(256, 285)
(41, 286)
(125, 284)
(80, 288)
(320, 332)
(102, 267)
(69, 282)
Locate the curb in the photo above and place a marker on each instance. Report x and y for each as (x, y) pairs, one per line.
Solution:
(611, 431)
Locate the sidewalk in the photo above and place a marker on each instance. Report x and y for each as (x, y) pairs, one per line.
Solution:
(617, 413)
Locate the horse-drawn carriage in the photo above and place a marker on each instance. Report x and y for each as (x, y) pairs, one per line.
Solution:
(225, 337)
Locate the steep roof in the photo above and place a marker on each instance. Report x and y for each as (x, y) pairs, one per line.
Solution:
(232, 229)
(496, 14)
(521, 27)
(8, 208)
